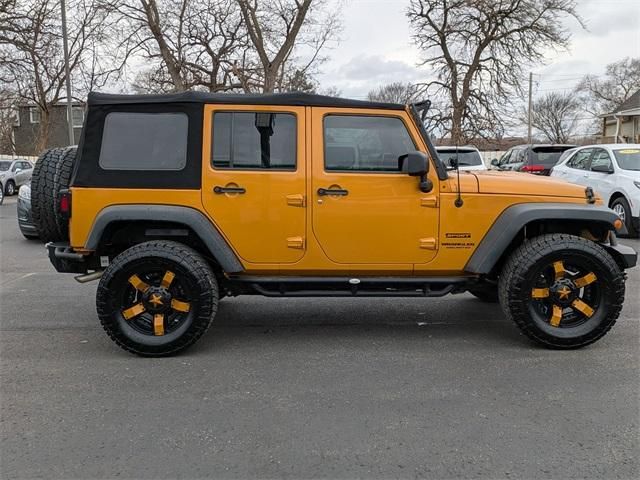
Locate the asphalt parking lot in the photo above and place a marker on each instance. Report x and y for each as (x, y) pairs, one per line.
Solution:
(307, 388)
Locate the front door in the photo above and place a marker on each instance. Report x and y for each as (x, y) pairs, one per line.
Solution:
(602, 183)
(253, 184)
(366, 211)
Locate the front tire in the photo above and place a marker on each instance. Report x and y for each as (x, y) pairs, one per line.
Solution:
(157, 298)
(562, 291)
(622, 208)
(10, 189)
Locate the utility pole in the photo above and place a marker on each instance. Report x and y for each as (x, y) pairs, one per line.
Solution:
(65, 46)
(529, 109)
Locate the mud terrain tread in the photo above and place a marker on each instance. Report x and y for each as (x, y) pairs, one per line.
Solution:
(512, 282)
(176, 252)
(51, 174)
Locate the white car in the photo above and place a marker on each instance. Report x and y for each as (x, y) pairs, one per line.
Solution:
(613, 171)
(469, 158)
(14, 174)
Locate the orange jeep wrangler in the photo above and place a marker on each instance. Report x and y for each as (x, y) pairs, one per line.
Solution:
(175, 201)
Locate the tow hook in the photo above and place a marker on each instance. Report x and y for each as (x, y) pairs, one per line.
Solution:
(88, 277)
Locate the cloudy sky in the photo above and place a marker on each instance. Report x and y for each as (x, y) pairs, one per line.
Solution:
(376, 46)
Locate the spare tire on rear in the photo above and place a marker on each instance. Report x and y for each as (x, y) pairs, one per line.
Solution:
(51, 174)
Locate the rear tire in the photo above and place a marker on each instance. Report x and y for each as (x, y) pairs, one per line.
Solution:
(51, 174)
(10, 188)
(561, 290)
(157, 298)
(622, 208)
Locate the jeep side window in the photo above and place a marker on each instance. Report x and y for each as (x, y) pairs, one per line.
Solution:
(254, 140)
(144, 141)
(364, 143)
(580, 160)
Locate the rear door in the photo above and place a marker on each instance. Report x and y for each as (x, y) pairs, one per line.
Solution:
(365, 210)
(254, 179)
(577, 168)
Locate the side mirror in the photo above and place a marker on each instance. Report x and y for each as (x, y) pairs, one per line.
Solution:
(494, 162)
(602, 168)
(18, 170)
(416, 164)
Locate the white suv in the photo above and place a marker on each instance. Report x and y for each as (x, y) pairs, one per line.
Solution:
(613, 171)
(468, 158)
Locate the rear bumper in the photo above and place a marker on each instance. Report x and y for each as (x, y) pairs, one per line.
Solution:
(65, 260)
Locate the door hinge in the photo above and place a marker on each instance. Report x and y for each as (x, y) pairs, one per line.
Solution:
(296, 200)
(428, 243)
(429, 202)
(295, 242)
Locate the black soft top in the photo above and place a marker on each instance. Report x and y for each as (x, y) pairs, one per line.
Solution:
(289, 99)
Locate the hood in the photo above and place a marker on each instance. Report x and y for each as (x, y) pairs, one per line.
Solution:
(517, 183)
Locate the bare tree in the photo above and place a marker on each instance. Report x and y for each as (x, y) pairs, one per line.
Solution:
(479, 50)
(276, 29)
(605, 94)
(187, 44)
(555, 115)
(396, 92)
(31, 57)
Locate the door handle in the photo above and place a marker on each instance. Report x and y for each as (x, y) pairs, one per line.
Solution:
(332, 191)
(220, 190)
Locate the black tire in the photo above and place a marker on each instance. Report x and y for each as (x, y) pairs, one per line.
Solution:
(51, 174)
(1, 194)
(566, 280)
(193, 284)
(10, 188)
(622, 208)
(486, 293)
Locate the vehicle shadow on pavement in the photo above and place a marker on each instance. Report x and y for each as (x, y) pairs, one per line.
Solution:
(253, 319)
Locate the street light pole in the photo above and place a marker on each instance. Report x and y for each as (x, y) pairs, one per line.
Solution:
(65, 46)
(529, 108)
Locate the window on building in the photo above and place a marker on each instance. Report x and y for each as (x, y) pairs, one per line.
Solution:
(254, 140)
(34, 114)
(365, 143)
(144, 141)
(77, 116)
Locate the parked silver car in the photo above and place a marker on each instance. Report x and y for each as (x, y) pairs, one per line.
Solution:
(25, 218)
(14, 174)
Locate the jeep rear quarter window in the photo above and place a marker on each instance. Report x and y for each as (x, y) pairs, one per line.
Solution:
(254, 140)
(365, 143)
(144, 141)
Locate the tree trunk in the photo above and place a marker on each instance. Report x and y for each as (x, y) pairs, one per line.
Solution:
(456, 125)
(43, 132)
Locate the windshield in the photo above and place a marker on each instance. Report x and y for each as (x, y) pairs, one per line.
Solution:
(466, 158)
(4, 166)
(628, 159)
(547, 156)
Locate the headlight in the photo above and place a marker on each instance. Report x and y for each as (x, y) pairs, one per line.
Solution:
(637, 184)
(25, 193)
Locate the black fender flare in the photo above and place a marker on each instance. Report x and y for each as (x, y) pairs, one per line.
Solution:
(190, 217)
(515, 217)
